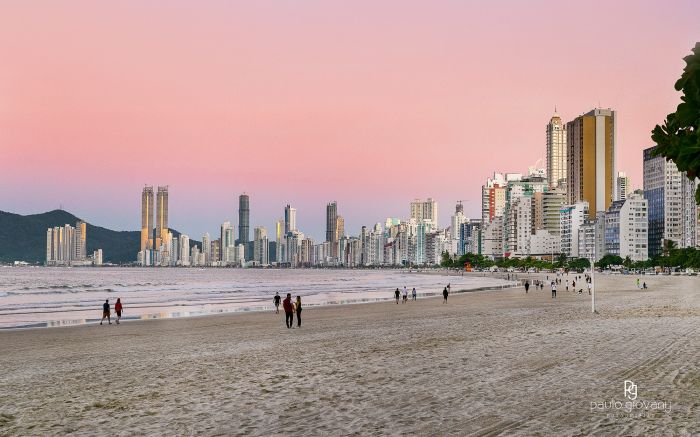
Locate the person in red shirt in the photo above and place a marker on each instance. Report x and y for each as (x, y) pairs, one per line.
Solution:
(118, 309)
(288, 311)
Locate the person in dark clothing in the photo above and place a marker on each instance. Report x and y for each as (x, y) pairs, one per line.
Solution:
(445, 293)
(118, 309)
(105, 312)
(298, 308)
(527, 286)
(397, 294)
(276, 300)
(288, 310)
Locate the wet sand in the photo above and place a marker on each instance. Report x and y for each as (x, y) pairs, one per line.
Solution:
(486, 363)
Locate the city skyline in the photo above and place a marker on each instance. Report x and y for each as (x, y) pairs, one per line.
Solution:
(355, 120)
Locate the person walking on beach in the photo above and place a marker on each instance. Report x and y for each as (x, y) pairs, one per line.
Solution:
(405, 295)
(589, 288)
(118, 309)
(288, 310)
(554, 289)
(444, 295)
(276, 300)
(298, 308)
(397, 295)
(105, 312)
(637, 283)
(527, 286)
(414, 294)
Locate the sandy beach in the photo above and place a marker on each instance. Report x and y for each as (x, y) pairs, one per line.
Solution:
(486, 363)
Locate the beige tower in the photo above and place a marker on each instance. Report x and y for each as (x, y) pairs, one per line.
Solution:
(556, 151)
(161, 216)
(590, 159)
(147, 218)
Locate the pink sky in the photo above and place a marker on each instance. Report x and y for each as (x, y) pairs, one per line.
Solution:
(367, 103)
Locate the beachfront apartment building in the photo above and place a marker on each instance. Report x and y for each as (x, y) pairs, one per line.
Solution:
(571, 219)
(591, 171)
(591, 238)
(626, 228)
(673, 214)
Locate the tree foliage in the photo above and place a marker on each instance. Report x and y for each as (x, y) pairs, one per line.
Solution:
(678, 138)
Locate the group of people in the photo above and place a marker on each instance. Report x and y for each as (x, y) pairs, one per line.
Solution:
(397, 294)
(289, 308)
(107, 313)
(414, 294)
(642, 286)
(538, 283)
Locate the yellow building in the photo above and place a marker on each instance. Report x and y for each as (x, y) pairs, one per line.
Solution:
(590, 142)
(147, 218)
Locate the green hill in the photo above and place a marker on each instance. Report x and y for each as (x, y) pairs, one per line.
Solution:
(23, 238)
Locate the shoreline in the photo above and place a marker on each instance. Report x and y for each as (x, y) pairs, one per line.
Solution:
(150, 317)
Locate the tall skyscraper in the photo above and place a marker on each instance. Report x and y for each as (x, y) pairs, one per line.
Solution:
(243, 219)
(339, 227)
(556, 151)
(260, 246)
(425, 210)
(80, 241)
(227, 242)
(66, 244)
(161, 216)
(671, 197)
(147, 218)
(331, 221)
(591, 159)
(290, 219)
(624, 187)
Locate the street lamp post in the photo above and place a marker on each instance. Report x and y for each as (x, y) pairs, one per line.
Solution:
(595, 247)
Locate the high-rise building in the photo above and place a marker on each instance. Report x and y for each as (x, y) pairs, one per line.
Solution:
(147, 205)
(572, 218)
(161, 215)
(206, 248)
(331, 222)
(672, 210)
(227, 242)
(339, 227)
(184, 250)
(66, 245)
(626, 224)
(243, 219)
(290, 219)
(556, 151)
(261, 246)
(457, 220)
(624, 187)
(591, 238)
(80, 241)
(591, 159)
(493, 195)
(425, 210)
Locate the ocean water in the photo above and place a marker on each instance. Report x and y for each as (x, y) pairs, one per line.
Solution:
(53, 296)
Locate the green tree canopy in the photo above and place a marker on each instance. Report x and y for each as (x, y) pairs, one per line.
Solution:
(678, 138)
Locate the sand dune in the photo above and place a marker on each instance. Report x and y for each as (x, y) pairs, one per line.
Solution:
(487, 363)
